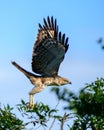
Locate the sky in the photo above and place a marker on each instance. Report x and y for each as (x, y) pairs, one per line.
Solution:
(82, 21)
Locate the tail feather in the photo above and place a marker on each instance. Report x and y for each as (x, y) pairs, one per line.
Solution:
(28, 74)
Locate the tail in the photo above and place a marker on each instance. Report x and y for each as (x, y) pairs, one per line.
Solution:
(26, 73)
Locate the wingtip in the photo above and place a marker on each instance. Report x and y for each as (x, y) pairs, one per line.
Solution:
(40, 26)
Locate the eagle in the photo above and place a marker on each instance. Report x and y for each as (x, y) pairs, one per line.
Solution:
(48, 52)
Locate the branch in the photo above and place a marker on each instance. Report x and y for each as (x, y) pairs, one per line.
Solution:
(65, 117)
(54, 118)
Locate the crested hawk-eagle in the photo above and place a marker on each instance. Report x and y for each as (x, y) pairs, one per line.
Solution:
(48, 53)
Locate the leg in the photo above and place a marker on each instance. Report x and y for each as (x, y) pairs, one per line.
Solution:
(31, 100)
(31, 95)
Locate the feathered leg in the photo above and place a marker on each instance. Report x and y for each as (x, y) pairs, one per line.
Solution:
(34, 91)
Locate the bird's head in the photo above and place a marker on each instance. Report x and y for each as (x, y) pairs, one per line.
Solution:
(61, 81)
(65, 81)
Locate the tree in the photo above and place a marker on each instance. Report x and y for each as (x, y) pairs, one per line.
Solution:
(86, 109)
(88, 106)
(8, 120)
(37, 117)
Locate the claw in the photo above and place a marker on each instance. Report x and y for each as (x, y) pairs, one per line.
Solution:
(31, 106)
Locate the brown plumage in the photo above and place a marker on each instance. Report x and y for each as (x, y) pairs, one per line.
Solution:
(48, 53)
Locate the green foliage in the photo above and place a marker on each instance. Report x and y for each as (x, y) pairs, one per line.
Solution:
(39, 115)
(88, 106)
(87, 111)
(8, 120)
(91, 99)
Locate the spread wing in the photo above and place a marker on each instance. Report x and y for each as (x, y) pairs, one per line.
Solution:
(49, 49)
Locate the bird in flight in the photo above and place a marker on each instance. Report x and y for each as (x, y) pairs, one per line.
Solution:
(48, 52)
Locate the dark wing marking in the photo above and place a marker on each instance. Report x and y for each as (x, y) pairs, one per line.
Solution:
(49, 48)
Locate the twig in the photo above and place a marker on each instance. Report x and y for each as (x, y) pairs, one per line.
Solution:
(54, 118)
(65, 117)
(37, 127)
(52, 124)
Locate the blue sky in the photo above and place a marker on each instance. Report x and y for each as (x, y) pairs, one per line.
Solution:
(83, 23)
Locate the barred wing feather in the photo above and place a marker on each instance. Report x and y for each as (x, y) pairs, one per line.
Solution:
(49, 49)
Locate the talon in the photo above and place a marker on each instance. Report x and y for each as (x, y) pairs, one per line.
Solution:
(31, 106)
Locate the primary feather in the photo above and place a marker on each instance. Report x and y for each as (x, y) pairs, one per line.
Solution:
(49, 49)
